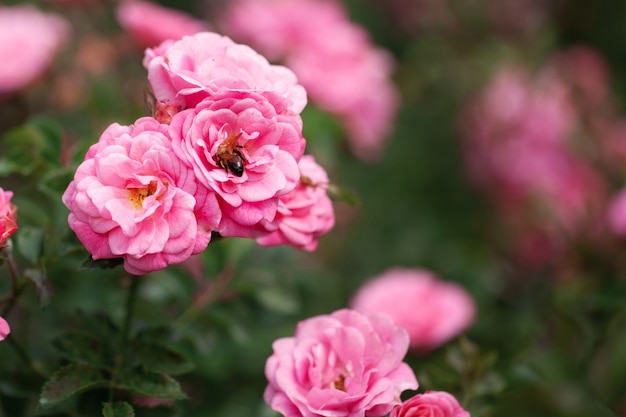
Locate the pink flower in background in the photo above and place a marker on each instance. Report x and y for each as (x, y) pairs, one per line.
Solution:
(430, 404)
(617, 214)
(244, 148)
(519, 139)
(335, 60)
(431, 310)
(4, 329)
(196, 67)
(29, 40)
(343, 364)
(150, 23)
(304, 214)
(8, 216)
(133, 198)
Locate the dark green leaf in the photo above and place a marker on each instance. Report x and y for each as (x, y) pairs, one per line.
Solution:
(70, 380)
(85, 348)
(339, 193)
(118, 409)
(160, 358)
(44, 288)
(91, 264)
(150, 384)
(29, 242)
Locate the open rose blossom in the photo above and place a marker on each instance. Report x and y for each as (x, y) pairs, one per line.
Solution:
(430, 404)
(196, 67)
(431, 310)
(344, 364)
(132, 198)
(8, 216)
(150, 23)
(245, 149)
(304, 214)
(29, 39)
(4, 329)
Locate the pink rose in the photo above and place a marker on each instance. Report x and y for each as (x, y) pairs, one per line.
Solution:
(4, 329)
(243, 148)
(430, 404)
(431, 310)
(8, 216)
(133, 198)
(198, 66)
(150, 23)
(304, 214)
(343, 364)
(617, 214)
(29, 39)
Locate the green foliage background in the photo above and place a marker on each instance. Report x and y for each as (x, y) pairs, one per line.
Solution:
(541, 345)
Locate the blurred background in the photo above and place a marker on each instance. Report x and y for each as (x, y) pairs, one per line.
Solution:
(498, 166)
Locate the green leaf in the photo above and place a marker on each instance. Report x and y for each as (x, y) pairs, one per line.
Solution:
(118, 409)
(84, 348)
(150, 384)
(339, 193)
(91, 264)
(160, 358)
(68, 381)
(29, 242)
(44, 288)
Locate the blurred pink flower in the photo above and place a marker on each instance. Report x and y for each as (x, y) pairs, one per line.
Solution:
(196, 67)
(335, 60)
(430, 404)
(431, 310)
(4, 329)
(303, 214)
(133, 198)
(519, 145)
(151, 402)
(29, 40)
(150, 23)
(245, 149)
(617, 214)
(8, 216)
(342, 365)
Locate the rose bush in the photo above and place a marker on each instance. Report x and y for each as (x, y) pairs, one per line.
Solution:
(343, 364)
(133, 198)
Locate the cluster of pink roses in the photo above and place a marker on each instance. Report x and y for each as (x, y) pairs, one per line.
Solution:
(332, 57)
(223, 153)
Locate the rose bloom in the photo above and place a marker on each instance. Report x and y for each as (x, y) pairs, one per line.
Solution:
(617, 214)
(430, 404)
(4, 329)
(27, 53)
(304, 214)
(8, 216)
(196, 67)
(133, 198)
(246, 150)
(431, 310)
(150, 23)
(347, 363)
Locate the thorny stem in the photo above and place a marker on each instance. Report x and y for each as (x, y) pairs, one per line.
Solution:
(16, 288)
